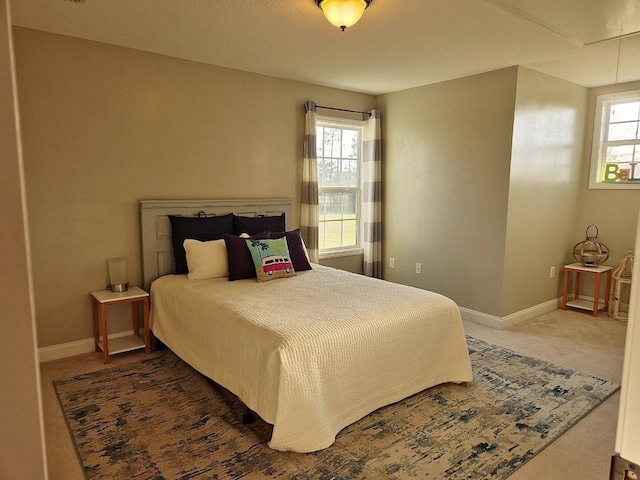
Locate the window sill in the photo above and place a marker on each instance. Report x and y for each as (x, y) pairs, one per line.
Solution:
(345, 252)
(614, 185)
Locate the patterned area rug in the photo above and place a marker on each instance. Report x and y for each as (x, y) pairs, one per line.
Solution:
(160, 419)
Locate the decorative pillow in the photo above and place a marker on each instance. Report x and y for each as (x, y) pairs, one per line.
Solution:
(271, 259)
(196, 228)
(239, 257)
(253, 225)
(297, 251)
(206, 259)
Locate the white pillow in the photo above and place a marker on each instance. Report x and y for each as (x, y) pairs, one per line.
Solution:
(206, 259)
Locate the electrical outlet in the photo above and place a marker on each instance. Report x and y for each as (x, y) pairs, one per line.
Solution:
(392, 262)
(552, 272)
(418, 268)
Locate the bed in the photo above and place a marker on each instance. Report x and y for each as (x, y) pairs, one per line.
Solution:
(310, 354)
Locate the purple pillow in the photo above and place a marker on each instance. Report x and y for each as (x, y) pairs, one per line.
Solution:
(239, 257)
(296, 249)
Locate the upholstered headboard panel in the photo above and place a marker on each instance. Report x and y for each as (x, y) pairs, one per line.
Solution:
(157, 253)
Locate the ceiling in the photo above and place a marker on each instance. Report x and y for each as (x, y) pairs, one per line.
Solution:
(398, 44)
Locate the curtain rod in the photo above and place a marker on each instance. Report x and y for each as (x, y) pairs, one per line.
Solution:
(344, 110)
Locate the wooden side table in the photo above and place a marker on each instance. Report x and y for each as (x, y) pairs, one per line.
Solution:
(584, 304)
(101, 299)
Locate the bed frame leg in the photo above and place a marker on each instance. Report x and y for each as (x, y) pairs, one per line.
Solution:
(248, 416)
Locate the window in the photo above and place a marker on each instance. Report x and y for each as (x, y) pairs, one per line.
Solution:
(339, 149)
(615, 160)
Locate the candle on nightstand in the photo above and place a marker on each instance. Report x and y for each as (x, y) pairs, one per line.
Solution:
(118, 275)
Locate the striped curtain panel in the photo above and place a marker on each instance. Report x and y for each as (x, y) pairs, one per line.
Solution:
(372, 197)
(309, 200)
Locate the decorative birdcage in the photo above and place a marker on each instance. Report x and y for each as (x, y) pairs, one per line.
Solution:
(621, 278)
(591, 251)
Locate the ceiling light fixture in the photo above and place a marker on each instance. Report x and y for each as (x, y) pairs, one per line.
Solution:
(343, 13)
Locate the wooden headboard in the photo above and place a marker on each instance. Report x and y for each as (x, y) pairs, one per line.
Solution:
(157, 252)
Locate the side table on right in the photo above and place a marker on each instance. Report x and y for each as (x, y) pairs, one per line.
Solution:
(586, 304)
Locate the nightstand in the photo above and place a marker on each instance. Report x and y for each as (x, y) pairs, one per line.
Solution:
(101, 299)
(583, 303)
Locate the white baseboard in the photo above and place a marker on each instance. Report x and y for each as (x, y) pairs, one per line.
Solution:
(531, 312)
(512, 319)
(481, 318)
(54, 352)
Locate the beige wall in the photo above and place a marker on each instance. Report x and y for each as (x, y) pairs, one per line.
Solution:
(446, 150)
(106, 126)
(351, 263)
(482, 186)
(615, 212)
(544, 187)
(21, 430)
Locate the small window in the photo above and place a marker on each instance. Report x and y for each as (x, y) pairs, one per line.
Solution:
(339, 144)
(615, 158)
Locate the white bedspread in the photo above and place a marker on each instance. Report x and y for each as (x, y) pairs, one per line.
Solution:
(313, 353)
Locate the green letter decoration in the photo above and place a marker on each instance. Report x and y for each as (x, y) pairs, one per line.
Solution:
(611, 173)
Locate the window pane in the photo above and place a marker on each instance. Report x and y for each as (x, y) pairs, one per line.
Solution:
(336, 150)
(333, 206)
(328, 173)
(325, 139)
(350, 144)
(319, 142)
(332, 142)
(338, 219)
(332, 236)
(321, 206)
(334, 170)
(349, 232)
(320, 171)
(619, 154)
(621, 112)
(349, 173)
(349, 205)
(623, 131)
(323, 172)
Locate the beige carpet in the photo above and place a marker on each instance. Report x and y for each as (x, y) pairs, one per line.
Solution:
(596, 345)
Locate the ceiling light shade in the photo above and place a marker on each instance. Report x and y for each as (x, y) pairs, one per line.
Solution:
(343, 13)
